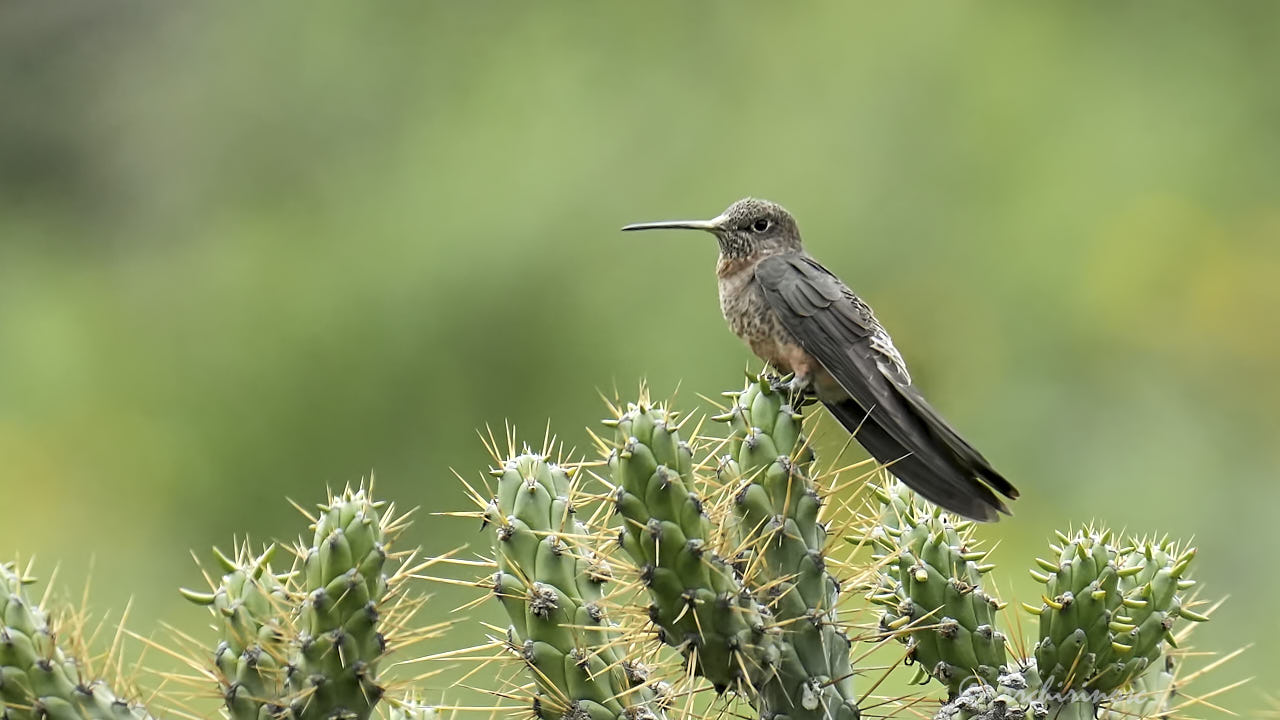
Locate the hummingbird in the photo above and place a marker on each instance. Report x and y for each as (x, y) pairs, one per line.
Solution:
(800, 318)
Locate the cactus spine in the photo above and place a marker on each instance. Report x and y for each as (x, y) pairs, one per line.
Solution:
(411, 709)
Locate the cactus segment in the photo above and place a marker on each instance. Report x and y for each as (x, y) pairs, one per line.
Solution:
(777, 504)
(551, 589)
(1150, 695)
(306, 645)
(334, 664)
(696, 599)
(930, 587)
(252, 606)
(1109, 611)
(38, 679)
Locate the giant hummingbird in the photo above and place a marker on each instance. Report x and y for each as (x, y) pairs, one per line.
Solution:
(800, 318)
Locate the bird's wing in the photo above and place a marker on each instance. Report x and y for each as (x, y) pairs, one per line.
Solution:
(840, 331)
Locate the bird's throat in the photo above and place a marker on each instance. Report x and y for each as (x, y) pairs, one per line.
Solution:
(730, 267)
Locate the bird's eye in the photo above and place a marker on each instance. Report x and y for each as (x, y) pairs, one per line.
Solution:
(760, 225)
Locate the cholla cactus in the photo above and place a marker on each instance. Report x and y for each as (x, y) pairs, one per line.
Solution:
(696, 600)
(307, 644)
(1108, 610)
(783, 544)
(551, 590)
(764, 625)
(721, 555)
(38, 678)
(334, 668)
(931, 589)
(726, 552)
(709, 550)
(1106, 621)
(252, 656)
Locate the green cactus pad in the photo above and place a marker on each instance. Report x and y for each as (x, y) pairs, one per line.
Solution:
(930, 587)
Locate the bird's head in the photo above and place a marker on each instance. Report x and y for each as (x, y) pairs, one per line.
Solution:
(749, 228)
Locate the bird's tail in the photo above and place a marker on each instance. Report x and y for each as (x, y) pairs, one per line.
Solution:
(941, 472)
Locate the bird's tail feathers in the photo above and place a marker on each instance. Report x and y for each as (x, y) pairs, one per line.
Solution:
(966, 453)
(948, 483)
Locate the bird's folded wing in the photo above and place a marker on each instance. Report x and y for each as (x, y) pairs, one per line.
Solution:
(842, 334)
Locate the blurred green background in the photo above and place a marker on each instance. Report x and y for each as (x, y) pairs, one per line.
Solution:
(250, 250)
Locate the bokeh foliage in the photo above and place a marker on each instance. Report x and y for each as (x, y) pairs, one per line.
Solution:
(249, 250)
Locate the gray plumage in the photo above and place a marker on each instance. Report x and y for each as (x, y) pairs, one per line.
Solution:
(799, 317)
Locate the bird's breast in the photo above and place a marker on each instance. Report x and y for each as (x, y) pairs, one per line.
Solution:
(750, 318)
(740, 299)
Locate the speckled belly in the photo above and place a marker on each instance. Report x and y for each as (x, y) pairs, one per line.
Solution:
(752, 320)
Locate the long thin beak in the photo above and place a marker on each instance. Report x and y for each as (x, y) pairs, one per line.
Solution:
(709, 225)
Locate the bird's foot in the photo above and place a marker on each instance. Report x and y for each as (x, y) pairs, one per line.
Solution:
(777, 382)
(798, 389)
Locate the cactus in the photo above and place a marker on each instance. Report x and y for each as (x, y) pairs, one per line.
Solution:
(777, 505)
(335, 660)
(1152, 694)
(712, 550)
(697, 601)
(251, 658)
(746, 626)
(1105, 622)
(1108, 611)
(307, 644)
(38, 678)
(552, 592)
(932, 592)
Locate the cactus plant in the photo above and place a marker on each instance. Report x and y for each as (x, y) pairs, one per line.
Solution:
(251, 658)
(1105, 622)
(754, 625)
(713, 550)
(307, 644)
(696, 599)
(551, 591)
(769, 469)
(38, 677)
(932, 592)
(1108, 610)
